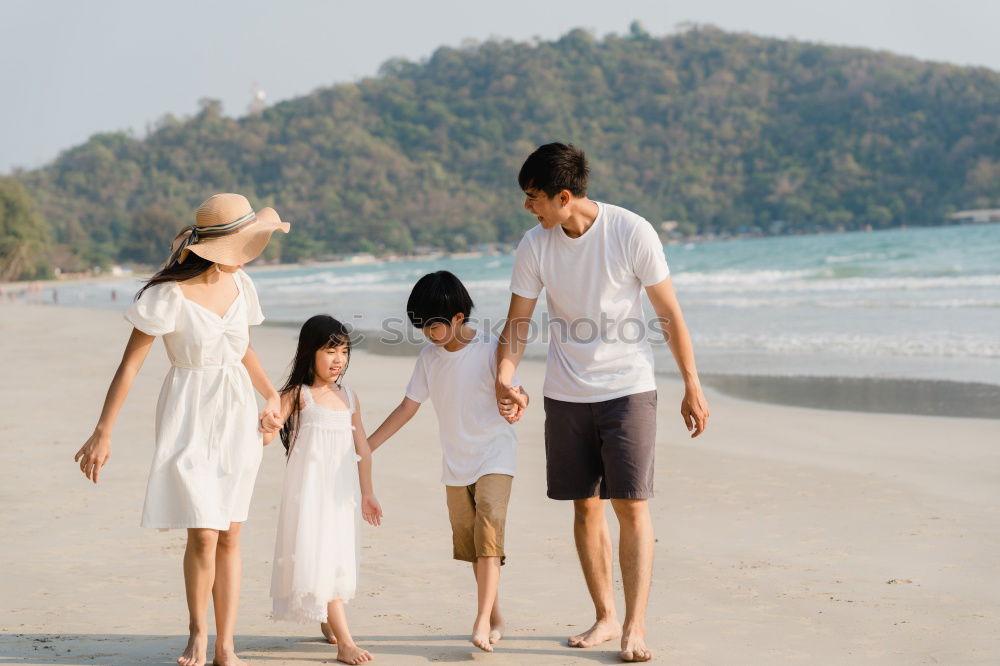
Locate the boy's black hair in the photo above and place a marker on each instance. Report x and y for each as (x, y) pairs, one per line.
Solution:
(553, 168)
(436, 298)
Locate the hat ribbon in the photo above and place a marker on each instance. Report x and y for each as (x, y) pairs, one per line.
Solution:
(195, 234)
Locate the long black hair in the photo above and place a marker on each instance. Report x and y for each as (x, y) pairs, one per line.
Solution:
(319, 332)
(175, 271)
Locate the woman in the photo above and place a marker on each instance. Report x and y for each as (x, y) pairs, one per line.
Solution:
(208, 447)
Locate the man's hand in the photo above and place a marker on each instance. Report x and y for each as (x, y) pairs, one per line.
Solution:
(511, 402)
(694, 411)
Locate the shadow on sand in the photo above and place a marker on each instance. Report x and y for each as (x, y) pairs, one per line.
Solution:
(133, 649)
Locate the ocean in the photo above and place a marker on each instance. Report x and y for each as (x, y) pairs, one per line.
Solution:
(915, 303)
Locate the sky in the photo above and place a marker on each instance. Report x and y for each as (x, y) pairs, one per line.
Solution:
(70, 69)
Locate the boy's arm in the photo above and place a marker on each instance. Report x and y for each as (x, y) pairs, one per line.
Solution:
(286, 409)
(396, 420)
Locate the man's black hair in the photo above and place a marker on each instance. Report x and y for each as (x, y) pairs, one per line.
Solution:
(553, 168)
(436, 298)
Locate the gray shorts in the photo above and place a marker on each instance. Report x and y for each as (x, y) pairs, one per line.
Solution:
(601, 449)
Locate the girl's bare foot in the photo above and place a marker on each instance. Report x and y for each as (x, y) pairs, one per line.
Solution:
(227, 657)
(634, 647)
(602, 632)
(481, 634)
(196, 651)
(328, 633)
(352, 654)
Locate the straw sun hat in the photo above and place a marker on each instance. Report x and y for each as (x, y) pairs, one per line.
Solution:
(227, 231)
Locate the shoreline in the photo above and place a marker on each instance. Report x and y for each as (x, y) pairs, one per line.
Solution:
(879, 395)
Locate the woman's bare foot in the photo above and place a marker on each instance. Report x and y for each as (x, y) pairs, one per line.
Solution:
(227, 657)
(634, 646)
(328, 633)
(196, 651)
(602, 632)
(481, 634)
(496, 627)
(352, 654)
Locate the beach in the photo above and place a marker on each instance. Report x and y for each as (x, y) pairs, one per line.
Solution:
(784, 534)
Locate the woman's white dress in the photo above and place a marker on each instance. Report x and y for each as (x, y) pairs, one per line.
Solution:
(317, 550)
(208, 447)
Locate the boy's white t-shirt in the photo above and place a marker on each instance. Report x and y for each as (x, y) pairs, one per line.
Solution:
(594, 282)
(475, 439)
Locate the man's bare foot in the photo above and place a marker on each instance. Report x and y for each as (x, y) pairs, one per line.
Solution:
(196, 651)
(352, 654)
(481, 634)
(496, 627)
(227, 657)
(602, 632)
(328, 633)
(634, 647)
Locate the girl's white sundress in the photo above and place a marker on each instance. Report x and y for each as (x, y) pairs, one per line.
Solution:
(317, 549)
(208, 447)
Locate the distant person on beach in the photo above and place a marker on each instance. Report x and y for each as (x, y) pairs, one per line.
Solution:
(208, 446)
(593, 260)
(478, 448)
(327, 487)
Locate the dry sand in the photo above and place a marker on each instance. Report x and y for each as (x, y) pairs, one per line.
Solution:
(785, 535)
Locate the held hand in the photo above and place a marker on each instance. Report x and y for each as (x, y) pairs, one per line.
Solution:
(514, 410)
(270, 418)
(270, 422)
(694, 411)
(371, 510)
(93, 455)
(511, 402)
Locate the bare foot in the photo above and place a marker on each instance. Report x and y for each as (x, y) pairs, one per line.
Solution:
(496, 631)
(195, 652)
(481, 634)
(352, 654)
(634, 647)
(227, 657)
(328, 633)
(602, 632)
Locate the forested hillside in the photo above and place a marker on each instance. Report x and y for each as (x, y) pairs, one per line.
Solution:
(719, 131)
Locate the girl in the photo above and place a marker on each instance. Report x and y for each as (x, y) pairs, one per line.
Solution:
(207, 440)
(317, 548)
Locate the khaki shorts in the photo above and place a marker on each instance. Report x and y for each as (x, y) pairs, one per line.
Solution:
(478, 513)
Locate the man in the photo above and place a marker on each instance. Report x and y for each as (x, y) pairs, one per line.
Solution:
(593, 259)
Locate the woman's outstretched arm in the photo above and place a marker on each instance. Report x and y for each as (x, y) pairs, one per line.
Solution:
(96, 451)
(270, 418)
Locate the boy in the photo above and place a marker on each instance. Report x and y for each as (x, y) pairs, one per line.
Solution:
(478, 446)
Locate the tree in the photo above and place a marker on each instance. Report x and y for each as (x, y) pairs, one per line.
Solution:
(149, 239)
(24, 237)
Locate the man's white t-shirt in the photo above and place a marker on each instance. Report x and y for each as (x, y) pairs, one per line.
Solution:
(591, 283)
(475, 439)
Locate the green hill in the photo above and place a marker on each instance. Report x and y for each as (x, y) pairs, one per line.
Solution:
(719, 131)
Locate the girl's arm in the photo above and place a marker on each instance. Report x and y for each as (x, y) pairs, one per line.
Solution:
(272, 410)
(287, 399)
(396, 420)
(371, 511)
(96, 451)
